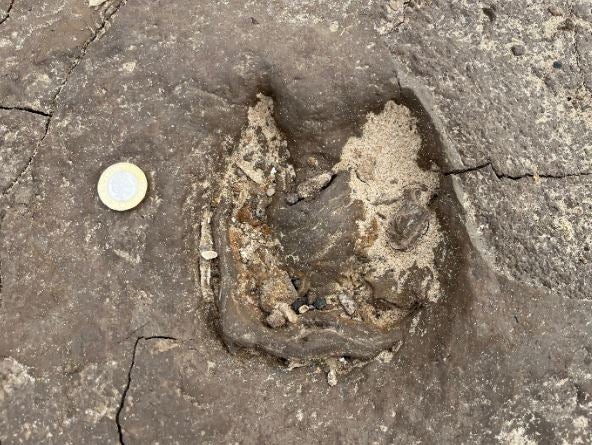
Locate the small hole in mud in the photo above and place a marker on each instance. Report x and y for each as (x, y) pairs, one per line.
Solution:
(490, 13)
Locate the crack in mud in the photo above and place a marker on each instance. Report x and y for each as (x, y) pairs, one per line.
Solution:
(30, 161)
(499, 175)
(108, 17)
(27, 109)
(7, 12)
(129, 380)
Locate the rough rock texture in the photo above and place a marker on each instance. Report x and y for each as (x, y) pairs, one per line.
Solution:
(108, 336)
(521, 114)
(555, 213)
(42, 43)
(20, 133)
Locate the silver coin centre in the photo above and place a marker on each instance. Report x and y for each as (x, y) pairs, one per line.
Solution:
(122, 186)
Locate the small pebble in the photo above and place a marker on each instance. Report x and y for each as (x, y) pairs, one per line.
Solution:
(293, 364)
(298, 303)
(349, 305)
(385, 357)
(303, 309)
(276, 319)
(518, 50)
(332, 378)
(209, 254)
(292, 198)
(287, 312)
(557, 64)
(270, 192)
(319, 303)
(312, 186)
(554, 10)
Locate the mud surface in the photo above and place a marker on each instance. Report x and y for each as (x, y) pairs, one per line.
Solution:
(422, 168)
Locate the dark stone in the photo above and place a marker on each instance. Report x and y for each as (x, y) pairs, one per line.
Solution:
(518, 50)
(319, 303)
(298, 303)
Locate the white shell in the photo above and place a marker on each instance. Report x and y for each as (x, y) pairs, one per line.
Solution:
(209, 254)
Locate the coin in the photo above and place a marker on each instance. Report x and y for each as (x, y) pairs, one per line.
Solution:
(122, 186)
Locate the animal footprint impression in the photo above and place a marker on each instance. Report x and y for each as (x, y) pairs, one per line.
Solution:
(317, 264)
